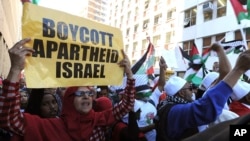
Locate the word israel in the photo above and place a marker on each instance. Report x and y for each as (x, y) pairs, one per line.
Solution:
(87, 45)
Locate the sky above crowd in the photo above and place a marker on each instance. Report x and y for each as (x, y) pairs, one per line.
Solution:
(74, 7)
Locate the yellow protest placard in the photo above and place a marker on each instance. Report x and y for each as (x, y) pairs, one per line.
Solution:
(70, 50)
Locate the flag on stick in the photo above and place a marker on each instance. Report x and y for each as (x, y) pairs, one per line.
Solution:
(151, 60)
(243, 15)
(195, 56)
(239, 10)
(146, 63)
(195, 72)
(184, 55)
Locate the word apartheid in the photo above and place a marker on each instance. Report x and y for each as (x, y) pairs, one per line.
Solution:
(78, 52)
(81, 54)
(73, 52)
(70, 50)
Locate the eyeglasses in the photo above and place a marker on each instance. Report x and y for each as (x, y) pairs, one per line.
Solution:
(81, 93)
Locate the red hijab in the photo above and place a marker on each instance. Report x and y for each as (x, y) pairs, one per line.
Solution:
(76, 123)
(70, 126)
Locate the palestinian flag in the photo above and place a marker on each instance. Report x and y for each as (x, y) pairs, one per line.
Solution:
(205, 55)
(235, 46)
(195, 56)
(239, 10)
(31, 1)
(184, 55)
(195, 77)
(146, 64)
(189, 74)
(197, 70)
(151, 60)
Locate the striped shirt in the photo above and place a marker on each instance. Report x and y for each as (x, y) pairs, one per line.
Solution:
(12, 119)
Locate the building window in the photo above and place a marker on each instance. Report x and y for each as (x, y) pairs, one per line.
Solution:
(207, 42)
(136, 10)
(169, 2)
(168, 37)
(134, 46)
(145, 24)
(221, 8)
(237, 35)
(208, 16)
(129, 13)
(122, 3)
(187, 46)
(135, 18)
(127, 32)
(219, 36)
(116, 23)
(126, 48)
(121, 19)
(144, 45)
(146, 4)
(135, 28)
(156, 40)
(170, 14)
(190, 17)
(157, 19)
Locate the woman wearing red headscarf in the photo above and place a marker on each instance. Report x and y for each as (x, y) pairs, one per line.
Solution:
(78, 122)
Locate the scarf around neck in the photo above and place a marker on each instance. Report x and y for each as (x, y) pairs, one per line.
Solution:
(172, 100)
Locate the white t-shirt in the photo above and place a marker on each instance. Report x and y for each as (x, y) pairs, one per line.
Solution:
(147, 114)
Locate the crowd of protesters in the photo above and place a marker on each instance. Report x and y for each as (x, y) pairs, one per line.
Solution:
(173, 109)
(135, 112)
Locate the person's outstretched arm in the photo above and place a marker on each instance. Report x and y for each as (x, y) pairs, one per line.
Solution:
(11, 117)
(241, 66)
(162, 80)
(224, 64)
(157, 92)
(127, 103)
(206, 109)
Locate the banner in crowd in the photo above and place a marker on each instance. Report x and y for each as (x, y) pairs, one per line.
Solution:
(70, 50)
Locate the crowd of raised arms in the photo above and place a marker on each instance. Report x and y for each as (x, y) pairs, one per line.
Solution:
(173, 109)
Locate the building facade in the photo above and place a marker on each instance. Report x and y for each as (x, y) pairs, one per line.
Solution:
(167, 23)
(174, 23)
(97, 10)
(10, 31)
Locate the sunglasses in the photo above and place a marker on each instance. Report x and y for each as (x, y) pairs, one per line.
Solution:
(81, 93)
